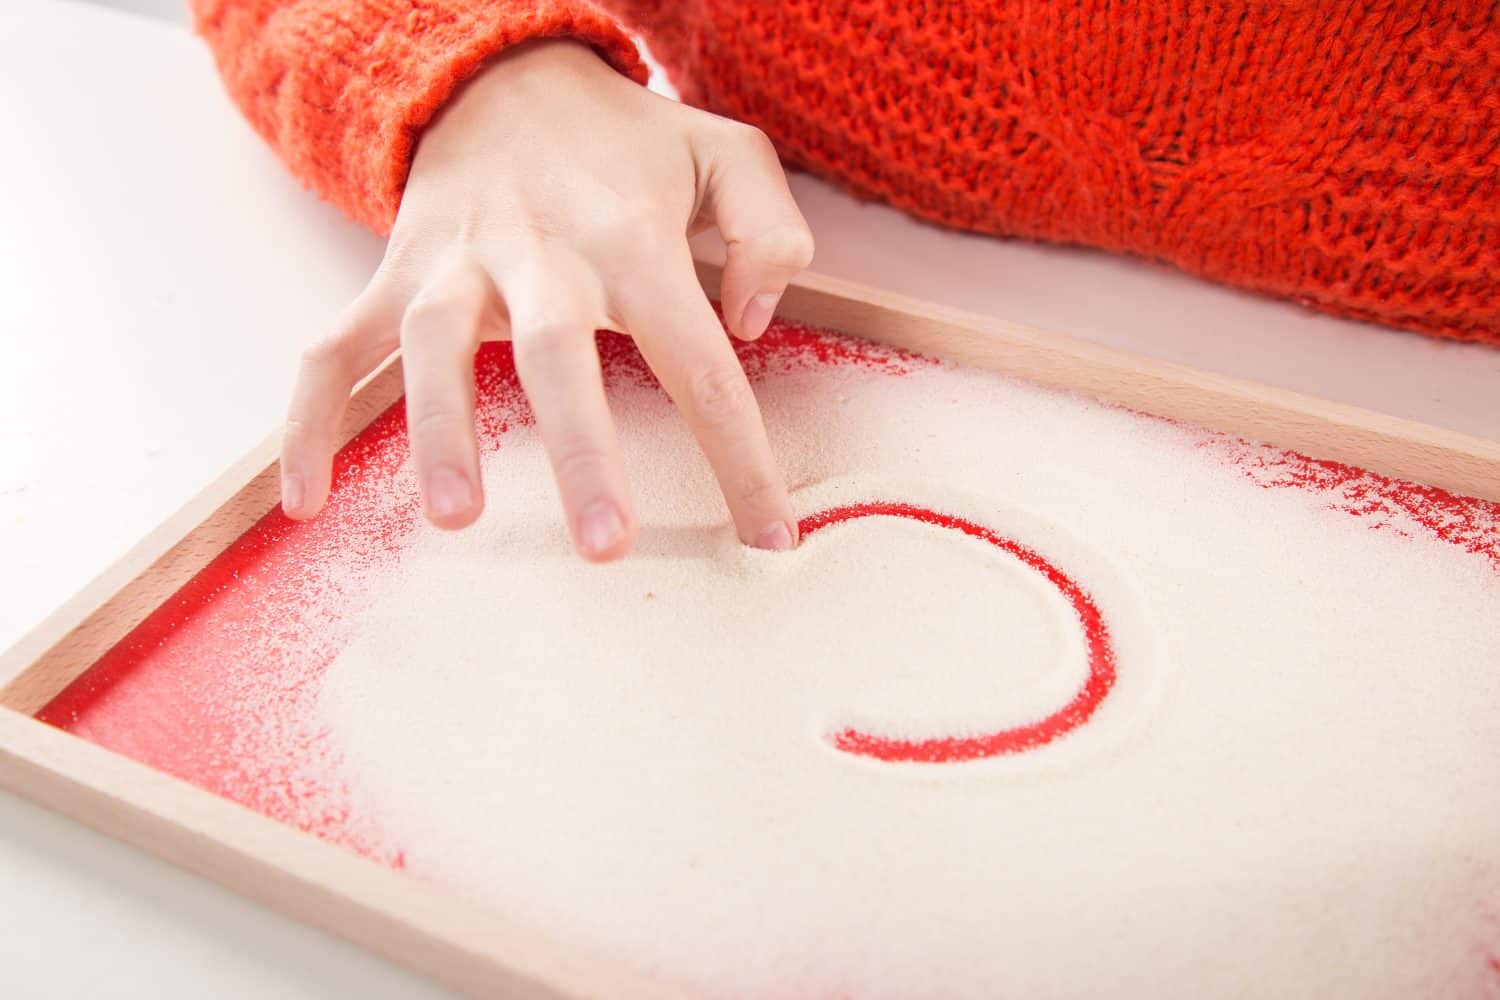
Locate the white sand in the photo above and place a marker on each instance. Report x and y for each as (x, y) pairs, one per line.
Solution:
(1292, 790)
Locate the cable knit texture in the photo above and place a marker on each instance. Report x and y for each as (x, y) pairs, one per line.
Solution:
(1344, 155)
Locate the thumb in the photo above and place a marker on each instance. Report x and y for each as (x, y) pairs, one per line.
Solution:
(767, 240)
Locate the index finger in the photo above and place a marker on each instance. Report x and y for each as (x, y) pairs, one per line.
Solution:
(683, 342)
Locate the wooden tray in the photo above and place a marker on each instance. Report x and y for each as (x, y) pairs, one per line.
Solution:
(421, 925)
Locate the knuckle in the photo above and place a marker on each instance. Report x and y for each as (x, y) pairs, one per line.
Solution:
(758, 489)
(655, 239)
(331, 352)
(545, 338)
(577, 462)
(790, 245)
(752, 138)
(436, 423)
(719, 395)
(426, 312)
(610, 217)
(298, 433)
(555, 324)
(622, 224)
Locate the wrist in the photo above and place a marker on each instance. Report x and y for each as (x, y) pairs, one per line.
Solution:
(535, 68)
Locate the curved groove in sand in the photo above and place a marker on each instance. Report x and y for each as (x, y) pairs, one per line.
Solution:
(1015, 740)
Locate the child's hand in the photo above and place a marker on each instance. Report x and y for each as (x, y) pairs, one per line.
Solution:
(551, 198)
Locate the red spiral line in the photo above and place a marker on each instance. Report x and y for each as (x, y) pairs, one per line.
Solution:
(951, 749)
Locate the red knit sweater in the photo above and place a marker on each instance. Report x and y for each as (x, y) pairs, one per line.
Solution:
(1344, 155)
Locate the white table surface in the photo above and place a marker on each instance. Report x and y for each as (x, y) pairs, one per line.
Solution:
(159, 273)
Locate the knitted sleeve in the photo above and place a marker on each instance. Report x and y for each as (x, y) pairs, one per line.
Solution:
(342, 88)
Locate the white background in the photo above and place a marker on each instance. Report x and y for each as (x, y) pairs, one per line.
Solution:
(159, 273)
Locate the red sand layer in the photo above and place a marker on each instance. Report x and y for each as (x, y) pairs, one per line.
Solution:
(1076, 712)
(218, 687)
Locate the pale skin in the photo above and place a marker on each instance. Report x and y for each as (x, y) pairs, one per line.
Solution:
(553, 197)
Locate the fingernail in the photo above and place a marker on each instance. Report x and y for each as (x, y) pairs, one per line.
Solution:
(291, 493)
(776, 538)
(448, 492)
(757, 314)
(600, 527)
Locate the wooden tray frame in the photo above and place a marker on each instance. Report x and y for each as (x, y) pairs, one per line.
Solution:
(423, 926)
